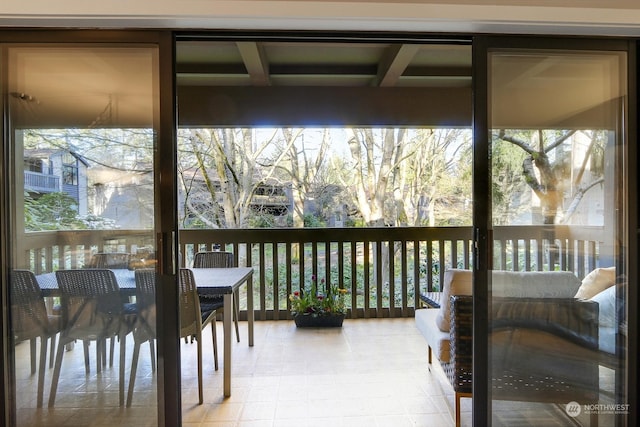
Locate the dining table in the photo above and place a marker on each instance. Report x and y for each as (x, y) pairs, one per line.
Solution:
(209, 281)
(225, 282)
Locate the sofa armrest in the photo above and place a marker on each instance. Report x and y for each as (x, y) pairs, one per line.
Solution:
(459, 368)
(573, 319)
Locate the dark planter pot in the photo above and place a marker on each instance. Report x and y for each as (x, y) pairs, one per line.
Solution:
(332, 321)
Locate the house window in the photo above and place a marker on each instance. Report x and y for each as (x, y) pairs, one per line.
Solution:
(33, 165)
(69, 169)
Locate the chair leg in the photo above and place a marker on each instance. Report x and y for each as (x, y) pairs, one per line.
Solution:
(199, 344)
(457, 411)
(152, 350)
(85, 345)
(100, 354)
(56, 372)
(33, 349)
(214, 338)
(236, 313)
(134, 369)
(43, 364)
(52, 351)
(113, 340)
(123, 349)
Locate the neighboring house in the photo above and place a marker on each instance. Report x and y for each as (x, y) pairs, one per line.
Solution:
(124, 197)
(56, 171)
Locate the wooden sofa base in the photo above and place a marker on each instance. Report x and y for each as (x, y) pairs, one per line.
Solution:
(457, 395)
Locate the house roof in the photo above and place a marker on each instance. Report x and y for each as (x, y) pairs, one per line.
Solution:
(46, 153)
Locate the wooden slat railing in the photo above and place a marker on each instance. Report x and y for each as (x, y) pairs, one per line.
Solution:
(384, 269)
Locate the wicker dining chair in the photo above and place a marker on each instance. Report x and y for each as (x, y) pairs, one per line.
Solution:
(145, 325)
(194, 317)
(92, 310)
(110, 260)
(30, 321)
(218, 259)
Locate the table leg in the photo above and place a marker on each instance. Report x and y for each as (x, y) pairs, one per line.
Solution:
(228, 319)
(250, 314)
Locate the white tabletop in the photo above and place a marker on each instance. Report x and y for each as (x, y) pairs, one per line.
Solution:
(219, 281)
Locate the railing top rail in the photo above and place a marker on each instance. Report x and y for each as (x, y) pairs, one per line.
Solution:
(328, 234)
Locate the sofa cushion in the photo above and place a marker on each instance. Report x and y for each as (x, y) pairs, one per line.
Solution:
(456, 282)
(436, 339)
(607, 319)
(596, 281)
(534, 284)
(607, 304)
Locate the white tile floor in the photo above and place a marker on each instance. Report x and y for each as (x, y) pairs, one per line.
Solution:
(370, 372)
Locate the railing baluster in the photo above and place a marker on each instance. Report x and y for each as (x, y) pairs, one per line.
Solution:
(301, 263)
(340, 264)
(391, 278)
(354, 280)
(367, 285)
(416, 274)
(580, 253)
(262, 275)
(288, 265)
(276, 281)
(378, 277)
(442, 263)
(591, 260)
(314, 259)
(429, 256)
(327, 265)
(403, 278)
(454, 253)
(249, 263)
(539, 254)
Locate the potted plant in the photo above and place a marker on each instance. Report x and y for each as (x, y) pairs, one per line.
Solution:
(315, 308)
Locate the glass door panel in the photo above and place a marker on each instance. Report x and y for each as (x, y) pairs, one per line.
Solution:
(83, 139)
(557, 294)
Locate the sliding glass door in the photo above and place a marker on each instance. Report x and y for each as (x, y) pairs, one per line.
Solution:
(556, 296)
(82, 161)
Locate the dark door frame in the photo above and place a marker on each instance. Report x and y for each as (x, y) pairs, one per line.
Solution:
(482, 207)
(169, 410)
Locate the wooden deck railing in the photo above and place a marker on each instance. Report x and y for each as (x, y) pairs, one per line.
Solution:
(384, 269)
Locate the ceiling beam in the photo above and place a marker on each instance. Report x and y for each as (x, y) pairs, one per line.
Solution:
(331, 106)
(209, 68)
(394, 62)
(255, 61)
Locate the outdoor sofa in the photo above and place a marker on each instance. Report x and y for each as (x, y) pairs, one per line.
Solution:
(547, 329)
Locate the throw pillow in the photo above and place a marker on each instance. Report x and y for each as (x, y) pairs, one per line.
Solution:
(456, 282)
(596, 281)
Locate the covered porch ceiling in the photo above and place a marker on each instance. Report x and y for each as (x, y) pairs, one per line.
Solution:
(319, 82)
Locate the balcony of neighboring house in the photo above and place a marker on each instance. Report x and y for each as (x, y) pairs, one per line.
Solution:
(38, 182)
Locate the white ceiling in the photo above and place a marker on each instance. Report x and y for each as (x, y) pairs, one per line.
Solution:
(588, 17)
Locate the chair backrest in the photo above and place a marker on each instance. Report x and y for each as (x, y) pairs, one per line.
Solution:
(190, 317)
(145, 287)
(146, 300)
(213, 259)
(28, 312)
(90, 301)
(110, 260)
